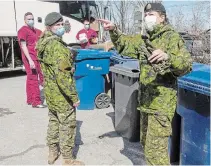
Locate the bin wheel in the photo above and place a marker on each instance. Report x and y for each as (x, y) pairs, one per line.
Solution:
(102, 100)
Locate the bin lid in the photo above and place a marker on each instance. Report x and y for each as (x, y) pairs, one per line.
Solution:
(84, 54)
(121, 58)
(198, 80)
(126, 69)
(198, 66)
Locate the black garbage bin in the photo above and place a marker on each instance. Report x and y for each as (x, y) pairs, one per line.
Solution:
(126, 84)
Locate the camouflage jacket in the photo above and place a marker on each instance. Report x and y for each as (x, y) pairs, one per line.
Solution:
(56, 64)
(158, 82)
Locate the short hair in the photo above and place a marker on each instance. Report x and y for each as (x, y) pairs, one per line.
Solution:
(86, 20)
(166, 21)
(92, 19)
(27, 14)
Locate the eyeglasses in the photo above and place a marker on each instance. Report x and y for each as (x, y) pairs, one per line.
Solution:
(30, 19)
(86, 24)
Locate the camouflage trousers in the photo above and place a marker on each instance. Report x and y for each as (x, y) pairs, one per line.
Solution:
(61, 131)
(155, 131)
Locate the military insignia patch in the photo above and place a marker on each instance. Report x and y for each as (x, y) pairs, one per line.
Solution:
(148, 6)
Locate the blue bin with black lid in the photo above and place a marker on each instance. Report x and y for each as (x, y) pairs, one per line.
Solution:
(91, 66)
(194, 109)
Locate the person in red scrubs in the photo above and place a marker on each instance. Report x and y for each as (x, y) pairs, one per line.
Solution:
(84, 35)
(27, 38)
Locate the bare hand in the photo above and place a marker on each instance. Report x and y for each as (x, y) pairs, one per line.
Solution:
(76, 104)
(31, 63)
(158, 56)
(108, 25)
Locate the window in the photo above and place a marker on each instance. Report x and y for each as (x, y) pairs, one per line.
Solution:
(72, 9)
(77, 10)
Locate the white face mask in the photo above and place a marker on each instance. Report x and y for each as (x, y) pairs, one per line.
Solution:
(150, 22)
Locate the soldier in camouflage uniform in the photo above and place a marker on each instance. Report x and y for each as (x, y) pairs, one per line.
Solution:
(61, 97)
(163, 57)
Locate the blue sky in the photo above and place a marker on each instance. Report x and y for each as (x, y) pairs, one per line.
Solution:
(168, 3)
(172, 6)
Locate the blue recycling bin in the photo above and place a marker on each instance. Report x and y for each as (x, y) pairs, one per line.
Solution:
(91, 66)
(120, 59)
(194, 109)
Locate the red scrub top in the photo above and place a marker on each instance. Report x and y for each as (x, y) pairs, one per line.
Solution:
(88, 34)
(31, 36)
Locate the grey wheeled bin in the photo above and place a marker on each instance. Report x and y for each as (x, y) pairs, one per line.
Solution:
(127, 117)
(119, 59)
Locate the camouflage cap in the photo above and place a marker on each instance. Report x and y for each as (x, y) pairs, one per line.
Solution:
(53, 18)
(155, 7)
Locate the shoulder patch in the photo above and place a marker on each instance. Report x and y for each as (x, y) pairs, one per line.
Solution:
(148, 6)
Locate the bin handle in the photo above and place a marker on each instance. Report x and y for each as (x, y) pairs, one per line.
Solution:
(135, 70)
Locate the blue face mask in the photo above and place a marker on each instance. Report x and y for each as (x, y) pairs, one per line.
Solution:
(60, 31)
(30, 23)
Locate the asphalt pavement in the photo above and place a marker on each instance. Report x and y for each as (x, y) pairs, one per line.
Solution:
(23, 132)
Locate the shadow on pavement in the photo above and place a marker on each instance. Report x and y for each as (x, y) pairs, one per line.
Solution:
(78, 140)
(5, 111)
(22, 153)
(9, 74)
(132, 150)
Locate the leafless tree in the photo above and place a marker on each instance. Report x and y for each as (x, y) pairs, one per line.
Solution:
(102, 4)
(196, 23)
(179, 20)
(201, 47)
(123, 15)
(201, 17)
(122, 12)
